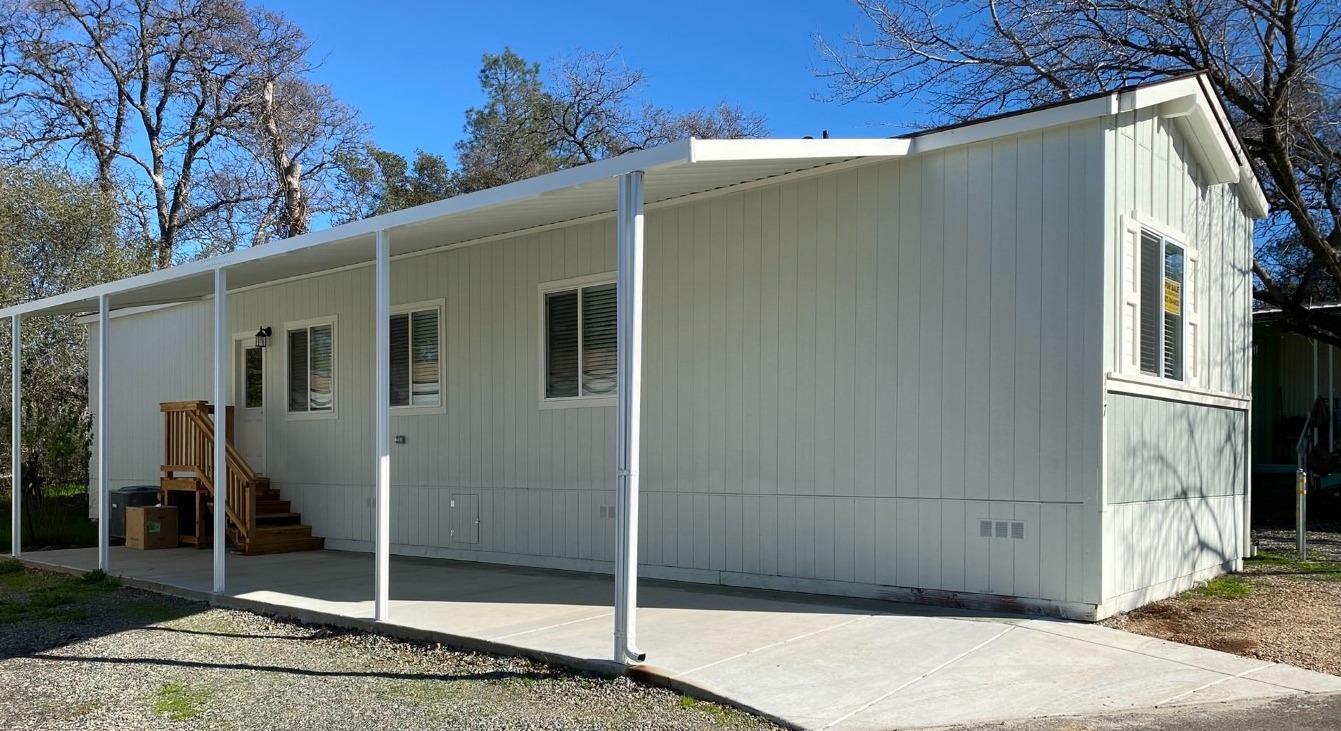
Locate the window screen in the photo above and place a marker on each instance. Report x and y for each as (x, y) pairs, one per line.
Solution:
(598, 341)
(561, 357)
(1151, 264)
(298, 370)
(1173, 311)
(580, 342)
(1161, 320)
(312, 369)
(415, 372)
(321, 388)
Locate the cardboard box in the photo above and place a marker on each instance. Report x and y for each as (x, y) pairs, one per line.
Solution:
(151, 528)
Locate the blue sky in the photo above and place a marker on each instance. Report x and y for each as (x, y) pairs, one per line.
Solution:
(410, 68)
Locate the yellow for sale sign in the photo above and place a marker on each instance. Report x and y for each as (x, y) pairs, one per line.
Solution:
(1173, 297)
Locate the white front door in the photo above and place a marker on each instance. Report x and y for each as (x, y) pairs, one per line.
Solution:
(249, 404)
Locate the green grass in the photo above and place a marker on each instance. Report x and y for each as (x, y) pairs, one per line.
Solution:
(721, 715)
(59, 518)
(415, 692)
(1284, 563)
(180, 702)
(37, 597)
(1223, 587)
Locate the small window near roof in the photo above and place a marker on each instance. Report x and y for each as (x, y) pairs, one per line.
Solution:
(580, 341)
(1161, 321)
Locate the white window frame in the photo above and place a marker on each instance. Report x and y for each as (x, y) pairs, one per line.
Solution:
(333, 321)
(563, 285)
(1166, 237)
(441, 306)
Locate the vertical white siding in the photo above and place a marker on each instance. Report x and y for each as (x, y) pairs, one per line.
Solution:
(1176, 464)
(156, 357)
(845, 374)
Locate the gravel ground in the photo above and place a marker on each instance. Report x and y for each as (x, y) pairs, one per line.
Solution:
(1324, 540)
(90, 655)
(1278, 609)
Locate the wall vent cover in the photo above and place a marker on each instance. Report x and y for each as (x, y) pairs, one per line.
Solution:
(984, 529)
(1001, 529)
(1017, 531)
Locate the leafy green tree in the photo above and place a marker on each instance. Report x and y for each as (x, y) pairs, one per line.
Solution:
(381, 181)
(587, 108)
(506, 138)
(58, 233)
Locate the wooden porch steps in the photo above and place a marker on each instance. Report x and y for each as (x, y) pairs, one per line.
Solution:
(283, 539)
(259, 519)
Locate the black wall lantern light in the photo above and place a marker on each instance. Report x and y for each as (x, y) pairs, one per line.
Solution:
(263, 337)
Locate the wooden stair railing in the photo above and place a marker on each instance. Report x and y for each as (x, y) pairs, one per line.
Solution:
(189, 447)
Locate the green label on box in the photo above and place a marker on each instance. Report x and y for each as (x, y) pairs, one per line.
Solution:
(153, 526)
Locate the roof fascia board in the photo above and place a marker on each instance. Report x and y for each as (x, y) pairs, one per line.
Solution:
(133, 311)
(780, 149)
(1193, 115)
(1195, 104)
(1017, 124)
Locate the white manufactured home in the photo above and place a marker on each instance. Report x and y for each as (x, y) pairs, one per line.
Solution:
(1003, 364)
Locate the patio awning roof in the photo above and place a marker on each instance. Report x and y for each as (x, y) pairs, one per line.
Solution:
(671, 171)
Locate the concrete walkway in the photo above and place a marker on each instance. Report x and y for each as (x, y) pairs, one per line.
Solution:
(802, 660)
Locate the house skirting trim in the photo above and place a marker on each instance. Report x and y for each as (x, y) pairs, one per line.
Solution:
(937, 597)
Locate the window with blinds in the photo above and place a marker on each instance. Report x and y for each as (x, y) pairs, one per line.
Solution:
(1161, 301)
(311, 361)
(580, 336)
(416, 373)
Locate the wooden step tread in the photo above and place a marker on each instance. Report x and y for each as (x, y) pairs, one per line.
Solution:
(276, 514)
(264, 532)
(285, 545)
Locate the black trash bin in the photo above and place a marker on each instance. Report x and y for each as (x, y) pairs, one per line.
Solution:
(130, 496)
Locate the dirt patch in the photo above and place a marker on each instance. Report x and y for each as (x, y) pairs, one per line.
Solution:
(1278, 609)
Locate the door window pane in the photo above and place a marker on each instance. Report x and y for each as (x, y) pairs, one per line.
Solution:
(252, 378)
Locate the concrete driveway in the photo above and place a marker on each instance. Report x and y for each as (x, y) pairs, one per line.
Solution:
(805, 661)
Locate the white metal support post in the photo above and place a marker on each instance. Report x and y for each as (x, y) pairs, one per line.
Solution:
(221, 345)
(382, 408)
(16, 436)
(104, 482)
(629, 345)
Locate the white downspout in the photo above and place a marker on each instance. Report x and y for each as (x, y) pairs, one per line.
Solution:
(16, 436)
(221, 342)
(382, 410)
(104, 488)
(629, 298)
